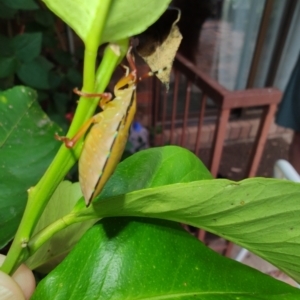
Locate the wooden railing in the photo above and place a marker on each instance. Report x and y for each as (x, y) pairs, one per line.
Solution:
(225, 101)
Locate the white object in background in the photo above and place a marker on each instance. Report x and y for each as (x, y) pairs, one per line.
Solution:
(284, 170)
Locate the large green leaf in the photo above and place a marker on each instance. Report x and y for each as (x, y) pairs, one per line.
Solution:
(123, 258)
(155, 167)
(26, 148)
(259, 214)
(145, 169)
(125, 18)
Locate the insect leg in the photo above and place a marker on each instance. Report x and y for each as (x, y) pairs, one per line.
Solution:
(71, 142)
(130, 59)
(126, 69)
(129, 79)
(105, 97)
(149, 74)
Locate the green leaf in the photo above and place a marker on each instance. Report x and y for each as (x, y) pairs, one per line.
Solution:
(74, 77)
(63, 58)
(44, 17)
(125, 19)
(6, 12)
(26, 149)
(128, 18)
(134, 173)
(153, 168)
(259, 214)
(6, 48)
(45, 63)
(8, 66)
(34, 74)
(27, 46)
(55, 249)
(55, 79)
(61, 101)
(21, 4)
(123, 258)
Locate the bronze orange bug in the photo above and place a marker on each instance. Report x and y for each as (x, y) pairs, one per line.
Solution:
(106, 140)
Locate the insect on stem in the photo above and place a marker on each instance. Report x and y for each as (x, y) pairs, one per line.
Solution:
(108, 132)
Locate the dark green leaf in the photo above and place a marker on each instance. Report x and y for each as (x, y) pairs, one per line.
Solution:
(21, 4)
(8, 66)
(6, 12)
(44, 17)
(74, 77)
(55, 79)
(26, 149)
(6, 48)
(27, 46)
(50, 40)
(34, 74)
(63, 58)
(61, 101)
(45, 63)
(123, 258)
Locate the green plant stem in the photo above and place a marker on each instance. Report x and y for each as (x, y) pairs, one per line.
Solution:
(39, 195)
(86, 107)
(43, 236)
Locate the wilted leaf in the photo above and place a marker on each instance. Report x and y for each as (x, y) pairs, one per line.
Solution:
(159, 44)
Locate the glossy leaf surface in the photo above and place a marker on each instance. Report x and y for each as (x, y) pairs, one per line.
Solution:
(123, 258)
(26, 149)
(155, 167)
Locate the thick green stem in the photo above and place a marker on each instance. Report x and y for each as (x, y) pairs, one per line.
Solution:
(39, 195)
(86, 107)
(43, 236)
